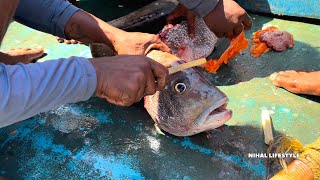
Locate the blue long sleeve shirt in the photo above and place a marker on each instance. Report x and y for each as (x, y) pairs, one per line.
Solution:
(200, 7)
(26, 90)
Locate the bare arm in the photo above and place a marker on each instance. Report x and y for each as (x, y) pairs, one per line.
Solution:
(87, 28)
(61, 18)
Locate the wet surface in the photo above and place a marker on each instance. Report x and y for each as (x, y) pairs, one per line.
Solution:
(95, 140)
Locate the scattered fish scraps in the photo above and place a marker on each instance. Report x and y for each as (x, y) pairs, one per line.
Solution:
(306, 166)
(236, 46)
(270, 38)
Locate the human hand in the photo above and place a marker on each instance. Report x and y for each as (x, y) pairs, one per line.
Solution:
(182, 11)
(87, 28)
(126, 79)
(136, 43)
(228, 19)
(298, 82)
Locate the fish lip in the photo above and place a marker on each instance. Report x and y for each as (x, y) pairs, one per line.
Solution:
(225, 114)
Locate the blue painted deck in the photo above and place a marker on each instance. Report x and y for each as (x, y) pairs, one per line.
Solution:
(96, 140)
(298, 8)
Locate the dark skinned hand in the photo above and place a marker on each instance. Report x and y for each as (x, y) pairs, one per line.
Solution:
(227, 19)
(125, 79)
(182, 11)
(136, 43)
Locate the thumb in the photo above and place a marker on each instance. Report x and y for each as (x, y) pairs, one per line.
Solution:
(159, 45)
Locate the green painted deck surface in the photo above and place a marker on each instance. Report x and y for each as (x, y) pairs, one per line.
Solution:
(95, 140)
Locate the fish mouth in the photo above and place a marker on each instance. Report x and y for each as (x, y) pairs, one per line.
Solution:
(222, 110)
(215, 115)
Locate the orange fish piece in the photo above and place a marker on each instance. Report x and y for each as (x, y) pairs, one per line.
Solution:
(236, 46)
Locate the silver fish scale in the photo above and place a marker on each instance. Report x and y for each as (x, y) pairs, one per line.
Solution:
(201, 45)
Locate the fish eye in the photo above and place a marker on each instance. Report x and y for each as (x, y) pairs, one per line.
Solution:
(180, 87)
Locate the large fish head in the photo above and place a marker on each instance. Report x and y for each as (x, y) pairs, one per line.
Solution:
(188, 104)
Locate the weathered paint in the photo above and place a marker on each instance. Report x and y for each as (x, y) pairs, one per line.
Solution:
(291, 114)
(298, 8)
(93, 139)
(258, 170)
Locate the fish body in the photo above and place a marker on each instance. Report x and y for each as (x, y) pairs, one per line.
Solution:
(185, 47)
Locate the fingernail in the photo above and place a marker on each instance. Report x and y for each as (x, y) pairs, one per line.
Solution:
(273, 76)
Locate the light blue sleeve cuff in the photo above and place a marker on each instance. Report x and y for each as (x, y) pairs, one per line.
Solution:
(50, 16)
(63, 20)
(91, 79)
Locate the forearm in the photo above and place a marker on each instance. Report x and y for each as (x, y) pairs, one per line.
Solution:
(87, 28)
(200, 7)
(27, 90)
